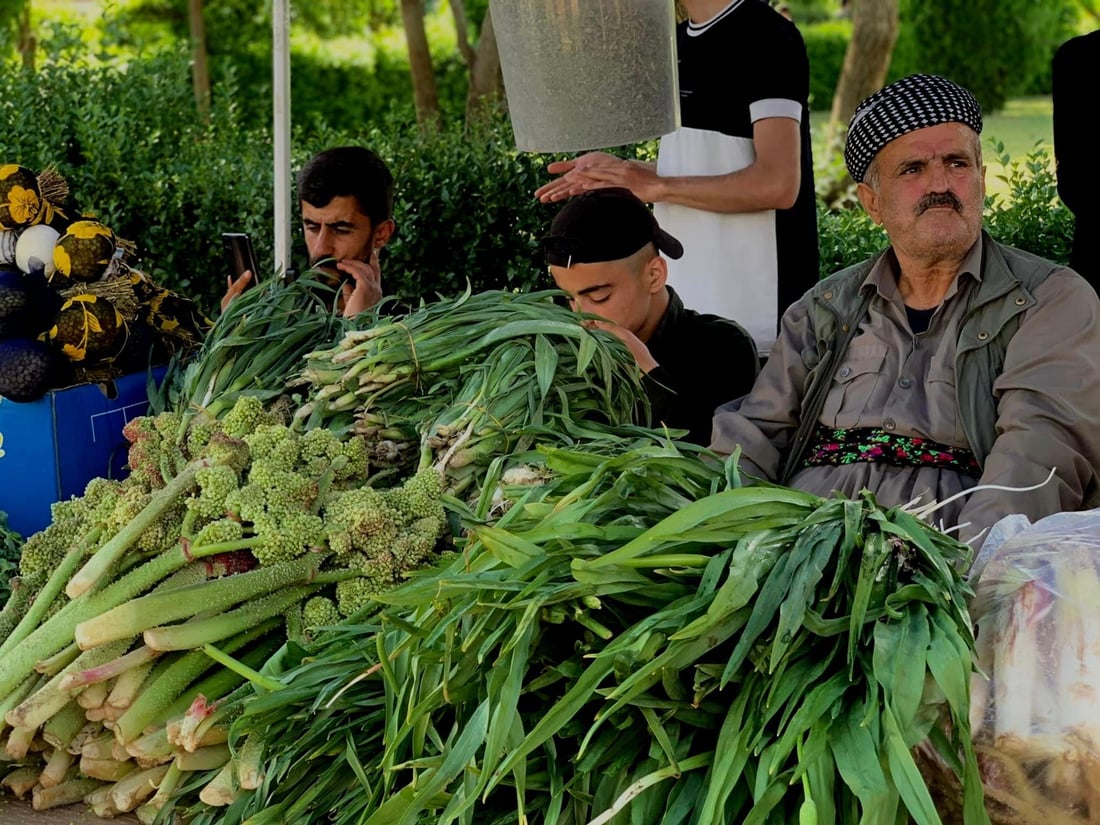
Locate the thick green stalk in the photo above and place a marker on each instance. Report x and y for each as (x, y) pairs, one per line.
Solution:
(57, 631)
(81, 678)
(49, 592)
(59, 661)
(63, 726)
(50, 699)
(67, 793)
(157, 702)
(100, 564)
(190, 635)
(133, 617)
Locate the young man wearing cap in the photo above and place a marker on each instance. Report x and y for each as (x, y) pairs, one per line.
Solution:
(606, 250)
(735, 181)
(346, 198)
(945, 362)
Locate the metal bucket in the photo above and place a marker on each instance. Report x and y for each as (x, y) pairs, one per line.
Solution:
(587, 74)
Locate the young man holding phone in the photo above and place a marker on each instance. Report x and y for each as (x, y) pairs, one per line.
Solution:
(346, 198)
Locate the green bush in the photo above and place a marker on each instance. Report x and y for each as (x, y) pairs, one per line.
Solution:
(1031, 216)
(135, 153)
(826, 45)
(996, 48)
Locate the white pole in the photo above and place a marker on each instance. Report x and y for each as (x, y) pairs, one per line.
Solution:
(281, 128)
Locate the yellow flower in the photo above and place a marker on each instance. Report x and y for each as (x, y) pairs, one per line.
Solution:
(23, 204)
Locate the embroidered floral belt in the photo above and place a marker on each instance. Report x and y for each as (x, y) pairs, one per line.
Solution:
(835, 447)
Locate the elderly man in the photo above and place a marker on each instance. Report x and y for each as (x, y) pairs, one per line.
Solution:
(945, 362)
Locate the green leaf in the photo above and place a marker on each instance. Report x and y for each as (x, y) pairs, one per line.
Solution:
(904, 773)
(901, 648)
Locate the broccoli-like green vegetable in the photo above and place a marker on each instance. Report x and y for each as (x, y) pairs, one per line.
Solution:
(352, 595)
(360, 520)
(154, 456)
(163, 533)
(287, 536)
(320, 445)
(245, 416)
(132, 499)
(356, 454)
(199, 432)
(248, 502)
(320, 611)
(215, 485)
(285, 491)
(420, 496)
(275, 444)
(218, 532)
(44, 550)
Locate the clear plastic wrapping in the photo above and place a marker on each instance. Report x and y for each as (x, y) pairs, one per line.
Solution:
(1035, 706)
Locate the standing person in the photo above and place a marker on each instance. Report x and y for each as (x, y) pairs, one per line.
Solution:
(346, 198)
(735, 181)
(1075, 69)
(608, 253)
(945, 362)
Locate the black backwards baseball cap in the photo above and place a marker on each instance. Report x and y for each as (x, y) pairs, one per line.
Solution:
(604, 225)
(912, 103)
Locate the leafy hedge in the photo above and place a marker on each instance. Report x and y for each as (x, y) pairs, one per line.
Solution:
(134, 153)
(996, 48)
(826, 45)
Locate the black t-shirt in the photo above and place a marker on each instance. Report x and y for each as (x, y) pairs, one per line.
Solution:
(703, 361)
(747, 63)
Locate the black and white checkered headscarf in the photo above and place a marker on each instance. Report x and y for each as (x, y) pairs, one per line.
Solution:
(912, 103)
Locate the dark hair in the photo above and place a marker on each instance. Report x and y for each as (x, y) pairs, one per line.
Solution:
(349, 170)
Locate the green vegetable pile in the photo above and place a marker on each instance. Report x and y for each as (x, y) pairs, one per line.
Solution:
(149, 601)
(629, 636)
(11, 543)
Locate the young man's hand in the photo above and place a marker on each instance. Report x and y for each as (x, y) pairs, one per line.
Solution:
(365, 288)
(633, 343)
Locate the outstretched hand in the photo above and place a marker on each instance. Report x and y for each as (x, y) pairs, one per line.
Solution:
(572, 180)
(599, 170)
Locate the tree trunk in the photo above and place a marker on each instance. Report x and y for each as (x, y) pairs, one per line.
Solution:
(462, 33)
(200, 73)
(425, 94)
(874, 32)
(486, 80)
(28, 43)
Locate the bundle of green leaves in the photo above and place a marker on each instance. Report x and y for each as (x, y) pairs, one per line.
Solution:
(11, 544)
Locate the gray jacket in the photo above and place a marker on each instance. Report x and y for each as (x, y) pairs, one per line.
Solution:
(837, 305)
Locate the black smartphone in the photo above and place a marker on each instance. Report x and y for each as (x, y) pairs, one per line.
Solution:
(239, 255)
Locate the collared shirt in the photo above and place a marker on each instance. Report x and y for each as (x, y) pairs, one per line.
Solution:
(703, 362)
(1048, 400)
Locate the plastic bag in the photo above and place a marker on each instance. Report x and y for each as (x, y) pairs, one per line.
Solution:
(1035, 706)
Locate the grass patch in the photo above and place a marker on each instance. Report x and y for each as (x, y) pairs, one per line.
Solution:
(1022, 126)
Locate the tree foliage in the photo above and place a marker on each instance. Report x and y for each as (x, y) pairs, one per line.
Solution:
(995, 48)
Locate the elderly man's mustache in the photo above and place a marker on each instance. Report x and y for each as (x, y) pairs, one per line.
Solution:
(939, 199)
